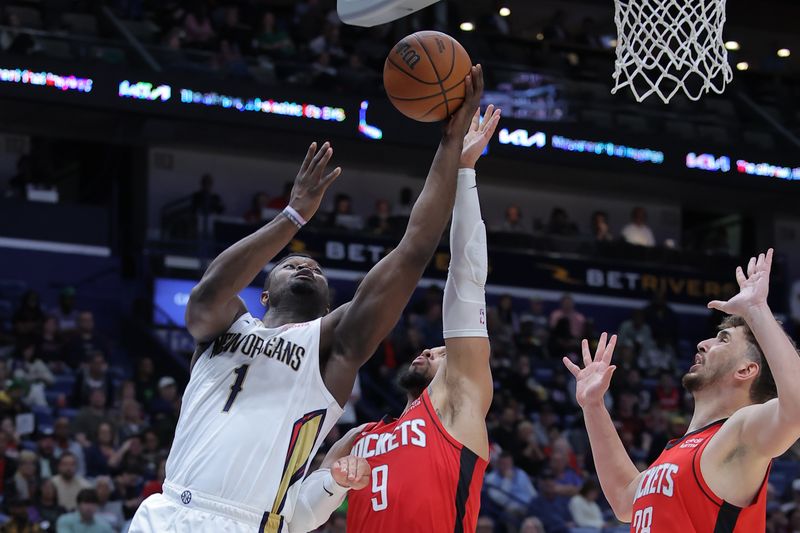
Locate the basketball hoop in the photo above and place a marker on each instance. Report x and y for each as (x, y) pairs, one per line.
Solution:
(664, 46)
(370, 13)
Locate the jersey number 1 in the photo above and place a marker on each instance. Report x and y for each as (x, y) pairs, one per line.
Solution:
(236, 388)
(643, 520)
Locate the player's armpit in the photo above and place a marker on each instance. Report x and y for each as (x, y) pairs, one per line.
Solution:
(766, 429)
(207, 321)
(468, 373)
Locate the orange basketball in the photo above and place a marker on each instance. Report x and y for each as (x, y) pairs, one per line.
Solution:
(424, 75)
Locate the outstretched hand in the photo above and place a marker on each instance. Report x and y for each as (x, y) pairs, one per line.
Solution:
(481, 131)
(595, 376)
(753, 287)
(461, 120)
(312, 181)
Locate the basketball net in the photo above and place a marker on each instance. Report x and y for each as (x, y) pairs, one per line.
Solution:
(664, 46)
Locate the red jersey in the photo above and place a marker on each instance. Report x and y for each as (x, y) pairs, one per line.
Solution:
(673, 497)
(423, 480)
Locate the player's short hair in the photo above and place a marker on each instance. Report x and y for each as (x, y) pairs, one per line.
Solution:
(87, 496)
(280, 262)
(763, 388)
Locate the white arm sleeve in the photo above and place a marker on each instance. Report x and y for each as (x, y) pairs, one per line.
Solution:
(319, 497)
(464, 308)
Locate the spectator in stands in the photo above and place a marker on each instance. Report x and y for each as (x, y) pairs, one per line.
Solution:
(355, 77)
(509, 487)
(259, 202)
(154, 486)
(282, 200)
(600, 230)
(273, 41)
(146, 381)
(108, 509)
(51, 345)
(28, 318)
(64, 443)
(18, 184)
(29, 368)
(535, 314)
(342, 215)
(549, 507)
(133, 459)
(20, 517)
(567, 481)
(85, 343)
(532, 525)
(129, 490)
(635, 332)
(131, 422)
(583, 506)
(485, 525)
(89, 417)
(668, 397)
(165, 408)
(197, 26)
(68, 482)
(26, 478)
(46, 502)
(329, 42)
(405, 203)
(661, 318)
(66, 313)
(637, 232)
(561, 340)
(512, 223)
(232, 32)
(47, 464)
(92, 377)
(323, 72)
(560, 224)
(83, 520)
(567, 310)
(102, 456)
(205, 201)
(528, 454)
(380, 222)
(505, 312)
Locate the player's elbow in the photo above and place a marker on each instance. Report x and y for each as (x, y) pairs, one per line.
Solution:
(622, 511)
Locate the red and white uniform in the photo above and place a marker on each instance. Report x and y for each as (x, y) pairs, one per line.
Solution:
(673, 497)
(423, 480)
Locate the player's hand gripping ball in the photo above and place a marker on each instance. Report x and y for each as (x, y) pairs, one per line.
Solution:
(424, 76)
(351, 472)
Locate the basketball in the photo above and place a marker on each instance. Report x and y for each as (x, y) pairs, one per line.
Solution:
(424, 75)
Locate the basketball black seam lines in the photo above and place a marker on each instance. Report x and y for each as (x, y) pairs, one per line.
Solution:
(407, 73)
(390, 95)
(435, 71)
(440, 104)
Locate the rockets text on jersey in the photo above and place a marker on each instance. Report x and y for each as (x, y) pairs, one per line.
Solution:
(673, 497)
(423, 480)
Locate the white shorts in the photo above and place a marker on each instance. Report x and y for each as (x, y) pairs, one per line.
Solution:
(179, 510)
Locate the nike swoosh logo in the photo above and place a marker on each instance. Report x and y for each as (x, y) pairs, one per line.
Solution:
(474, 186)
(326, 490)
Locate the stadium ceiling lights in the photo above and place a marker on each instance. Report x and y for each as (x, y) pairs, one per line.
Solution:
(505, 12)
(467, 26)
(742, 65)
(784, 52)
(732, 45)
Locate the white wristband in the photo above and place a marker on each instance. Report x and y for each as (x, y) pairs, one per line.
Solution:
(293, 216)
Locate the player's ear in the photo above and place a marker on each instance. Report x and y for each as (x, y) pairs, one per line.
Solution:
(748, 371)
(265, 298)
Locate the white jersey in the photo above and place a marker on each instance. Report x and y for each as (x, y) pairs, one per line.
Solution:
(253, 416)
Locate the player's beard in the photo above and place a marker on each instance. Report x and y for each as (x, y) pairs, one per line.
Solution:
(697, 381)
(412, 381)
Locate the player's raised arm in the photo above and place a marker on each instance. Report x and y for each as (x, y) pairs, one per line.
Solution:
(617, 473)
(353, 335)
(214, 303)
(467, 373)
(770, 428)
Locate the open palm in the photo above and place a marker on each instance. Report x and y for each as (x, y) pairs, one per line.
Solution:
(480, 132)
(595, 376)
(753, 288)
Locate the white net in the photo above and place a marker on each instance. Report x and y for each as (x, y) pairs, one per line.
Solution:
(664, 46)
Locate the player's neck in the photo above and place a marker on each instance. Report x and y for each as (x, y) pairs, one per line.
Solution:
(411, 396)
(277, 316)
(710, 406)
